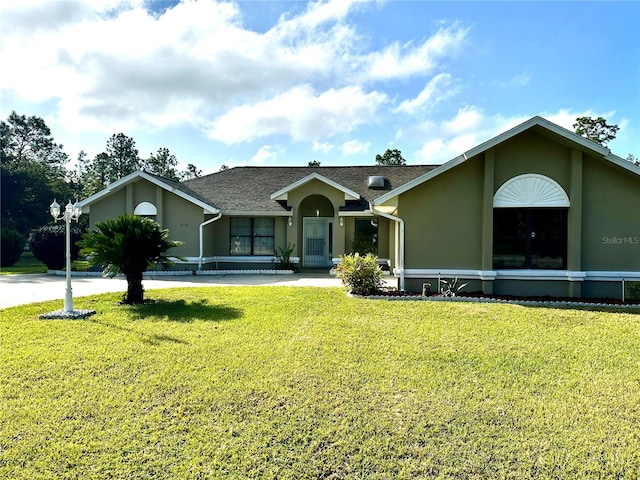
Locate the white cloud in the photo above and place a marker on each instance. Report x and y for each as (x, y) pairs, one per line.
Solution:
(265, 154)
(566, 118)
(353, 147)
(324, 147)
(446, 139)
(449, 138)
(115, 65)
(299, 113)
(402, 61)
(438, 89)
(518, 80)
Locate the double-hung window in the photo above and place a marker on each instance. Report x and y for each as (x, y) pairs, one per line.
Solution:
(252, 236)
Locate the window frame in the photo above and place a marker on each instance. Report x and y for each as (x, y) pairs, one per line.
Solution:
(255, 238)
(365, 235)
(530, 237)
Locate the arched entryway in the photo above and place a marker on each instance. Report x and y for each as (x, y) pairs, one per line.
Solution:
(317, 214)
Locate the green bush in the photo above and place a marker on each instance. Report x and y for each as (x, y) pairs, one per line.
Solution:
(633, 291)
(11, 247)
(283, 258)
(361, 274)
(362, 244)
(48, 245)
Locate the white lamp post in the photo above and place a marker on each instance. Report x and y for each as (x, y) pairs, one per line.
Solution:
(71, 212)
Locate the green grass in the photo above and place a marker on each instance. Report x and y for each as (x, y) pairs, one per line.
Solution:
(268, 382)
(26, 264)
(29, 264)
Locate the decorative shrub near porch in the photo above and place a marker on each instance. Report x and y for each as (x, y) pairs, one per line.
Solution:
(361, 274)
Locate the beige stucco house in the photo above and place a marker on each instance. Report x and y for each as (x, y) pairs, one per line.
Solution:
(537, 210)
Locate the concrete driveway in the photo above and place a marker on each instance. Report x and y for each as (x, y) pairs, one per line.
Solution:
(24, 289)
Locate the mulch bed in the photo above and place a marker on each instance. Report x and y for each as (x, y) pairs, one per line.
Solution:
(515, 299)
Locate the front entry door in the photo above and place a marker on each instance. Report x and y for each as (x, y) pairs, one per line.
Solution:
(316, 242)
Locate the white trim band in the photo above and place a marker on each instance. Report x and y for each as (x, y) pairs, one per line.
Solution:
(566, 275)
(233, 259)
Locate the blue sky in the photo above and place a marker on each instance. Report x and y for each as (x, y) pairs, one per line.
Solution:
(283, 83)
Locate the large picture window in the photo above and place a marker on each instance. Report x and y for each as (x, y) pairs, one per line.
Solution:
(533, 238)
(252, 236)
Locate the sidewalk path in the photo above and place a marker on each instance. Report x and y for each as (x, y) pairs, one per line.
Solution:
(30, 288)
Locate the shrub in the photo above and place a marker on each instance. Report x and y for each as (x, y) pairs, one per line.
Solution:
(361, 274)
(11, 247)
(48, 245)
(283, 258)
(450, 288)
(633, 291)
(128, 244)
(362, 244)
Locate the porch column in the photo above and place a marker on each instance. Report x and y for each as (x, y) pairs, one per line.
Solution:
(159, 209)
(574, 221)
(487, 218)
(339, 235)
(129, 198)
(294, 237)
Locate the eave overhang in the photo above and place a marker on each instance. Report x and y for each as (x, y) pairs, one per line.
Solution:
(138, 175)
(537, 122)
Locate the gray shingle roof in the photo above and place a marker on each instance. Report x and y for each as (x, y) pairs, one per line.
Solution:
(183, 187)
(250, 188)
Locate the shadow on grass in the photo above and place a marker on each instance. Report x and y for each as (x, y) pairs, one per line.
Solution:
(170, 311)
(150, 339)
(183, 311)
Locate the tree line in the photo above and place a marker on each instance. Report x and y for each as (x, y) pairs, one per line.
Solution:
(33, 167)
(33, 170)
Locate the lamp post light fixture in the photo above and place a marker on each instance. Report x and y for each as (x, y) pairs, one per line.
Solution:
(71, 212)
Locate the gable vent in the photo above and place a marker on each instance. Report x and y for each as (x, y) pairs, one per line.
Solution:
(376, 181)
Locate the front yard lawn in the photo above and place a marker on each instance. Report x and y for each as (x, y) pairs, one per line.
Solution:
(283, 382)
(27, 264)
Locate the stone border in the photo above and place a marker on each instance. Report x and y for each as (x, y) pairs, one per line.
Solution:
(62, 315)
(244, 272)
(525, 303)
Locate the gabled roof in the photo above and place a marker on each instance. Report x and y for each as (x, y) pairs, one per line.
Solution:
(537, 124)
(260, 190)
(170, 185)
(282, 194)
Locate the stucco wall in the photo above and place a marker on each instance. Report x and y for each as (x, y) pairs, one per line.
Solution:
(107, 207)
(182, 218)
(174, 213)
(144, 191)
(530, 152)
(611, 219)
(443, 219)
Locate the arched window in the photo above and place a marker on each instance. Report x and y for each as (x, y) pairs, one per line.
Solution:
(530, 190)
(146, 209)
(530, 224)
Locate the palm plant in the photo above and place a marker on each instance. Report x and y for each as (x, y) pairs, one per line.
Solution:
(129, 245)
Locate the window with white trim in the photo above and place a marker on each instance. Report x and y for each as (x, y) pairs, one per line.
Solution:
(252, 236)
